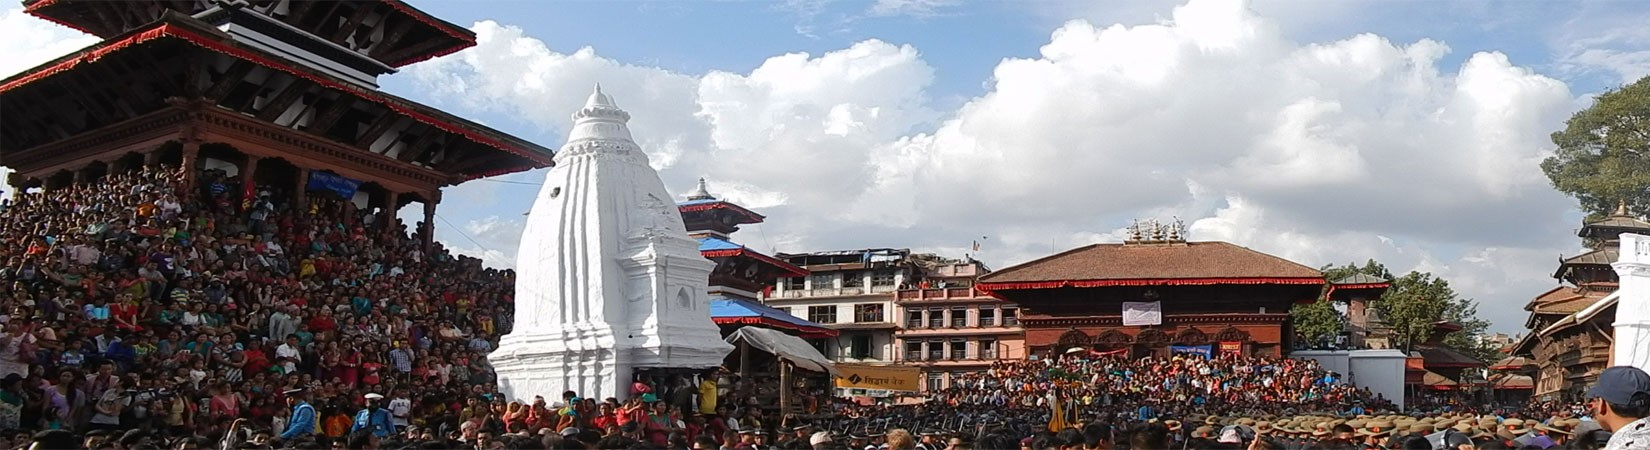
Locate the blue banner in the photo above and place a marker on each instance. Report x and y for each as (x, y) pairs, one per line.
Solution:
(1200, 350)
(328, 181)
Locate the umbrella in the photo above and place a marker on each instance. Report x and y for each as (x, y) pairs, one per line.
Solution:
(1538, 440)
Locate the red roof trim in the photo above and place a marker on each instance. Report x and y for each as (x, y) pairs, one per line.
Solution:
(1144, 282)
(34, 10)
(165, 30)
(807, 332)
(722, 205)
(790, 269)
(1362, 286)
(451, 30)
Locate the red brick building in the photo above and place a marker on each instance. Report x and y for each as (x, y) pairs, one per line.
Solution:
(1211, 295)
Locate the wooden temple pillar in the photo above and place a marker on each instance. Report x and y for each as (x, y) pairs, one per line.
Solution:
(300, 191)
(392, 199)
(82, 175)
(191, 155)
(429, 218)
(152, 158)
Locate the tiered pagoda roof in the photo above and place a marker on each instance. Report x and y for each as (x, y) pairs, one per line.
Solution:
(248, 75)
(388, 31)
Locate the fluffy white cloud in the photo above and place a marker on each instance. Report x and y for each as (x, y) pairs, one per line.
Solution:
(27, 42)
(1322, 152)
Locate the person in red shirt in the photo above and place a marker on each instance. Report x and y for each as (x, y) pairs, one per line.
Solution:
(605, 419)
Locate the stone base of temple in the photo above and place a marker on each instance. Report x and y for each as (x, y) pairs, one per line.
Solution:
(594, 362)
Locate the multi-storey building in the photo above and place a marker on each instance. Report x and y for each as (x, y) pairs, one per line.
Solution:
(1570, 325)
(849, 291)
(951, 328)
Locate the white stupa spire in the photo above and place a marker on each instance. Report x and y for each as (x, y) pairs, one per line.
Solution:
(609, 280)
(701, 192)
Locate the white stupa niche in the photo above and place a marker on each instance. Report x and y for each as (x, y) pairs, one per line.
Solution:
(608, 280)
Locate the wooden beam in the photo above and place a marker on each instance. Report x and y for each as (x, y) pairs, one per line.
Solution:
(421, 47)
(329, 116)
(417, 147)
(110, 24)
(194, 71)
(394, 36)
(79, 89)
(379, 126)
(295, 15)
(474, 162)
(231, 78)
(354, 22)
(282, 101)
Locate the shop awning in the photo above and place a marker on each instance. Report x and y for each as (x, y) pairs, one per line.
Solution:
(791, 348)
(736, 311)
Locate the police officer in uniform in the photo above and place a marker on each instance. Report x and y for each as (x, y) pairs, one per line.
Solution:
(373, 418)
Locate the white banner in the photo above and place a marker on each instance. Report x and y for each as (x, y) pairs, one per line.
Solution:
(1142, 313)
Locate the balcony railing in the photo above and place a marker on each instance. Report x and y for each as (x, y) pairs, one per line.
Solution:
(956, 293)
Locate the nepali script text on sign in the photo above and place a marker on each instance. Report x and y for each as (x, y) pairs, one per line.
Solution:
(877, 377)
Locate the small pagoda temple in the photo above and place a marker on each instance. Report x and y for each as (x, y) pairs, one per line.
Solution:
(285, 93)
(741, 273)
(1570, 325)
(1157, 293)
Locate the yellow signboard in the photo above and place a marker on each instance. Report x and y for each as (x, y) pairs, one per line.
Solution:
(894, 378)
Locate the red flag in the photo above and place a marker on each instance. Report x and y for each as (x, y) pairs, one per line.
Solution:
(248, 194)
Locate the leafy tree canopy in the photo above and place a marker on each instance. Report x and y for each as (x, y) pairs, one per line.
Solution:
(1603, 152)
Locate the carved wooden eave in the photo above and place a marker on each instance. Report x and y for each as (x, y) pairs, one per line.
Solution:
(348, 125)
(1247, 318)
(405, 34)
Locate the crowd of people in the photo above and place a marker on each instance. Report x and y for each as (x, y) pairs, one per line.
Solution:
(137, 303)
(143, 312)
(1149, 387)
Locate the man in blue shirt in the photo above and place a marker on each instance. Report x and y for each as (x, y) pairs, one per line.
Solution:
(302, 422)
(373, 418)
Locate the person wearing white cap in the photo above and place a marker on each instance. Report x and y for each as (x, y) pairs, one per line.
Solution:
(373, 418)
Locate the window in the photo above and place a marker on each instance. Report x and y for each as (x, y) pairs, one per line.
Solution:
(785, 309)
(822, 281)
(1011, 317)
(988, 348)
(913, 319)
(936, 318)
(882, 278)
(822, 314)
(796, 283)
(853, 279)
(913, 350)
(819, 344)
(868, 313)
(936, 350)
(860, 346)
(959, 349)
(936, 381)
(988, 317)
(959, 317)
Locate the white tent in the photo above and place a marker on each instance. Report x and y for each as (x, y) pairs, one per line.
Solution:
(791, 348)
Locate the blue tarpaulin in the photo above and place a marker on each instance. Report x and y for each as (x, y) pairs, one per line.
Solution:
(740, 311)
(328, 181)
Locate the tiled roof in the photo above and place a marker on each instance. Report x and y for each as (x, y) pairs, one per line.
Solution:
(1361, 278)
(1604, 256)
(713, 243)
(1440, 356)
(1193, 260)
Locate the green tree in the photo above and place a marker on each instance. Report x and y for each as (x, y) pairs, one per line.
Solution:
(1603, 154)
(1412, 306)
(1317, 320)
